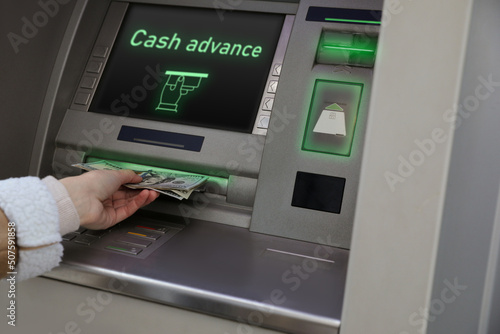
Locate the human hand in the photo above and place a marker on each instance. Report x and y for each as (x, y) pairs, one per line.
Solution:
(101, 200)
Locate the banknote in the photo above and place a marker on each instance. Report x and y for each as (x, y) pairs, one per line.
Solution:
(168, 193)
(97, 165)
(177, 185)
(170, 181)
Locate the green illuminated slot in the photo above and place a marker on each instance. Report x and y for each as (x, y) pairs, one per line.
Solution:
(347, 48)
(188, 74)
(219, 182)
(351, 21)
(340, 48)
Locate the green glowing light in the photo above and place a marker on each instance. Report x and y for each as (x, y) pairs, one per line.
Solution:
(117, 248)
(340, 48)
(347, 48)
(351, 21)
(142, 38)
(219, 182)
(188, 74)
(178, 84)
(348, 95)
(334, 107)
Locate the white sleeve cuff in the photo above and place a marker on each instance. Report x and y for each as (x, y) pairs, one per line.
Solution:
(27, 202)
(69, 220)
(38, 261)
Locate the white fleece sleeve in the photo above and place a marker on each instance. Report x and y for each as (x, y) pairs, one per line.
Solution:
(30, 205)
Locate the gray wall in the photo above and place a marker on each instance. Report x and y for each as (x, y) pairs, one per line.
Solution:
(402, 185)
(25, 74)
(468, 245)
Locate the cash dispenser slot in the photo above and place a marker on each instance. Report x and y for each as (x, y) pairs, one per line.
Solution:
(214, 184)
(226, 200)
(237, 190)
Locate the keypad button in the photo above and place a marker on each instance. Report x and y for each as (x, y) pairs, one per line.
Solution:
(96, 233)
(144, 234)
(276, 70)
(263, 122)
(268, 103)
(134, 241)
(100, 51)
(82, 98)
(159, 229)
(85, 239)
(124, 249)
(94, 67)
(69, 236)
(80, 230)
(88, 82)
(272, 87)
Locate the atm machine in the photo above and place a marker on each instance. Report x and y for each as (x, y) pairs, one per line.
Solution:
(269, 100)
(351, 161)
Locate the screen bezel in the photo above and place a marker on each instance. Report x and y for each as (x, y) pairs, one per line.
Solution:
(224, 153)
(244, 99)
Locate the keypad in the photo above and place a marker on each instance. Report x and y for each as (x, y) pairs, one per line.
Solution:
(128, 238)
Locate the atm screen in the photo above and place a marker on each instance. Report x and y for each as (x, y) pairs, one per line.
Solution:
(192, 66)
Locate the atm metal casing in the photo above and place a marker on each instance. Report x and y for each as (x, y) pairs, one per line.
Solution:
(239, 250)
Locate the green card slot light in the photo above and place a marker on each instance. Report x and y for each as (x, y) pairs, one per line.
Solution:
(353, 49)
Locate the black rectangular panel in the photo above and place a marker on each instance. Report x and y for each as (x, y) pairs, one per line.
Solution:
(161, 138)
(318, 192)
(344, 15)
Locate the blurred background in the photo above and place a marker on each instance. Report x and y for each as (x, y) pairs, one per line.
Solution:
(25, 74)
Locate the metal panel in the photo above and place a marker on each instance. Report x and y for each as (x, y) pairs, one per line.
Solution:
(283, 156)
(465, 295)
(402, 188)
(50, 306)
(277, 283)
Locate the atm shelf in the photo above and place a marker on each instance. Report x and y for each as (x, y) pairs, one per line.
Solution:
(221, 270)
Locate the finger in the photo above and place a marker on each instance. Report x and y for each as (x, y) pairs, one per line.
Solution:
(124, 197)
(124, 211)
(128, 176)
(153, 195)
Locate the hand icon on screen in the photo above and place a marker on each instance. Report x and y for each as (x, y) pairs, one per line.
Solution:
(178, 84)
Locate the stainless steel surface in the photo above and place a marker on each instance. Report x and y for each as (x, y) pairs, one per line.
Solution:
(209, 266)
(50, 306)
(225, 271)
(105, 41)
(283, 154)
